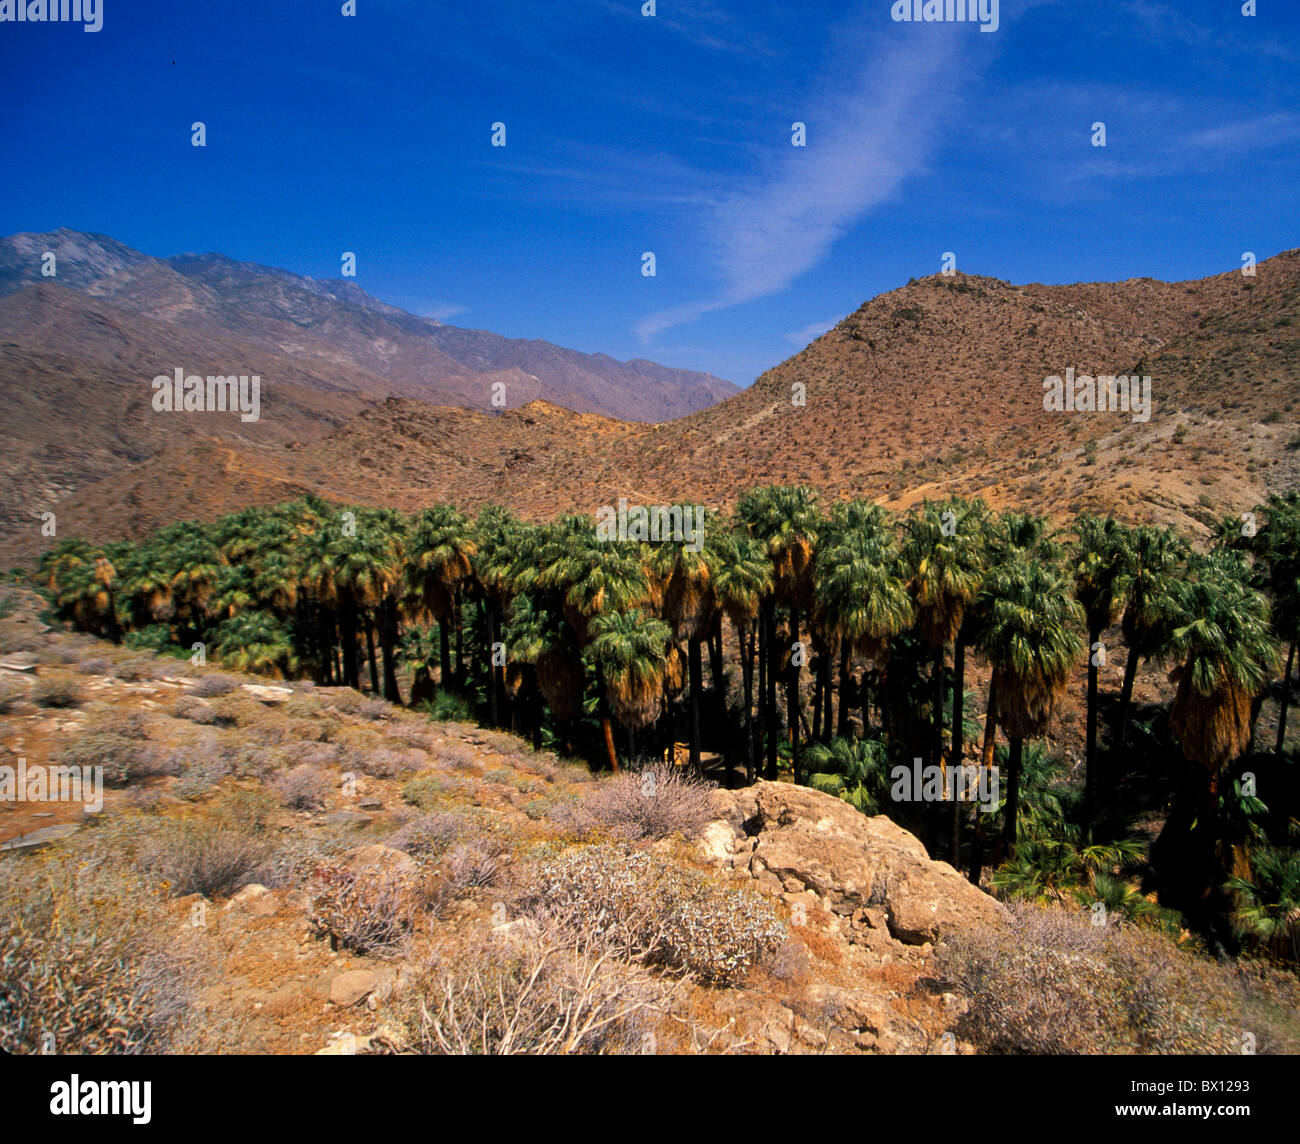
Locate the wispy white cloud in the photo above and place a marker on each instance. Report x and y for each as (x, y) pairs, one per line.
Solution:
(870, 126)
(1279, 127)
(442, 311)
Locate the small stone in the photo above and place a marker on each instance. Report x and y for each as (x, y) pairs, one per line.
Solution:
(353, 986)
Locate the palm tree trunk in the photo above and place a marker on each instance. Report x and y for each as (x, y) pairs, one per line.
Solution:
(842, 725)
(866, 702)
(1125, 699)
(958, 742)
(370, 652)
(494, 709)
(827, 691)
(388, 644)
(348, 637)
(696, 670)
(817, 702)
(498, 670)
(769, 687)
(976, 858)
(460, 640)
(990, 724)
(1090, 751)
(792, 693)
(1013, 795)
(747, 678)
(1286, 699)
(606, 726)
(444, 653)
(716, 671)
(936, 678)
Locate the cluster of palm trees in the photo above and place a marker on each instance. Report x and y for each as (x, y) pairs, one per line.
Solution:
(837, 640)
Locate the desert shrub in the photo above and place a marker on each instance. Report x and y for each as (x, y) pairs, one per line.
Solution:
(504, 776)
(11, 691)
(214, 683)
(200, 765)
(144, 798)
(314, 754)
(383, 763)
(534, 995)
(253, 760)
(611, 896)
(303, 788)
(122, 758)
(90, 956)
(375, 708)
(428, 791)
(352, 702)
(208, 856)
(194, 709)
(139, 668)
(506, 744)
(157, 760)
(475, 863)
(304, 730)
(18, 638)
(1056, 984)
(654, 803)
(410, 734)
(368, 912)
(58, 689)
(428, 836)
(456, 756)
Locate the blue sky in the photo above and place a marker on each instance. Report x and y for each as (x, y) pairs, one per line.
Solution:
(669, 134)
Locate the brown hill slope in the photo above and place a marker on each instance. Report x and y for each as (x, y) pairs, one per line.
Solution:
(76, 378)
(933, 388)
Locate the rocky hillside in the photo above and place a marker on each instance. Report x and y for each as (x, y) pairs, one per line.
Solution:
(298, 869)
(934, 388)
(383, 350)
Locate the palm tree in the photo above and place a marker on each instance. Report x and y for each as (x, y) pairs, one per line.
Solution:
(1098, 564)
(852, 769)
(1277, 544)
(82, 580)
(497, 536)
(585, 577)
(742, 579)
(440, 551)
(1028, 633)
(255, 642)
(681, 579)
(944, 553)
(1151, 561)
(1224, 649)
(1268, 901)
(787, 522)
(860, 595)
(631, 651)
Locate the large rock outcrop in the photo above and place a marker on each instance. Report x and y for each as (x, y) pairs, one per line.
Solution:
(795, 840)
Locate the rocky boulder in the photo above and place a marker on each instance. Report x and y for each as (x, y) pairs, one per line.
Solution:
(793, 839)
